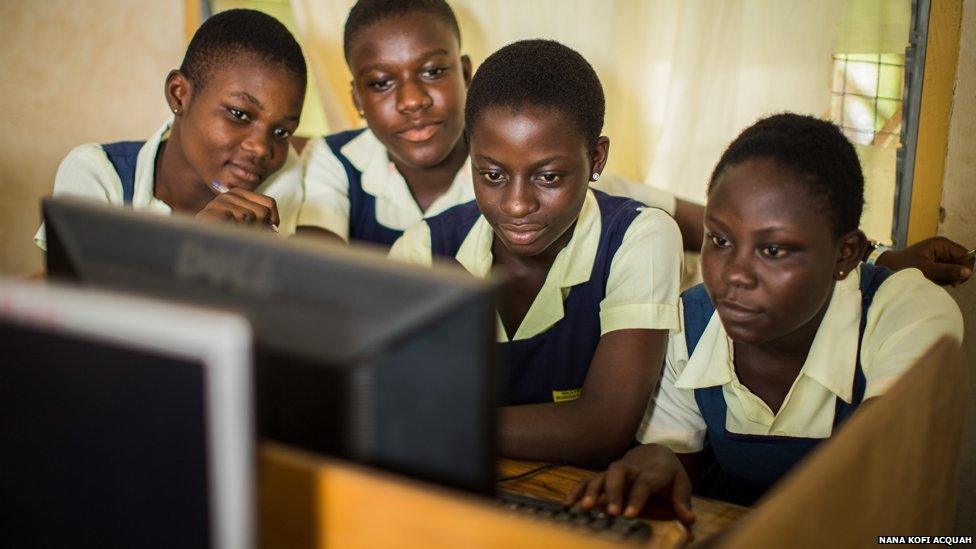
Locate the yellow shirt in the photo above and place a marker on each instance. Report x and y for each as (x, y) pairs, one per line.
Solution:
(642, 288)
(327, 187)
(88, 173)
(907, 316)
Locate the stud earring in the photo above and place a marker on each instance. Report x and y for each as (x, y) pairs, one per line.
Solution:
(595, 176)
(840, 274)
(362, 114)
(176, 111)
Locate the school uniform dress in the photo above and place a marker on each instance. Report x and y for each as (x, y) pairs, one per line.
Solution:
(620, 270)
(123, 174)
(876, 326)
(353, 189)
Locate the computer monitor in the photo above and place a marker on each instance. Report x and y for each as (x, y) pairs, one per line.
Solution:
(124, 422)
(356, 356)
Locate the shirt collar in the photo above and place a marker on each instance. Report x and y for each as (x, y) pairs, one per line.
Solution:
(396, 206)
(833, 355)
(573, 265)
(144, 186)
(831, 361)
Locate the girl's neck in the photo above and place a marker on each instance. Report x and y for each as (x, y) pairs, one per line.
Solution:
(516, 264)
(769, 369)
(792, 346)
(175, 182)
(428, 184)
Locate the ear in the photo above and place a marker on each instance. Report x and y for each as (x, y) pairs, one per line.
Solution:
(601, 152)
(850, 250)
(466, 70)
(354, 93)
(179, 91)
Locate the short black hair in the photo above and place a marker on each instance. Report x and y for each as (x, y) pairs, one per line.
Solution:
(539, 73)
(369, 12)
(230, 33)
(817, 151)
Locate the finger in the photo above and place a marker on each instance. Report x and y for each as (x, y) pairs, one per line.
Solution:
(945, 273)
(227, 209)
(593, 490)
(261, 199)
(644, 486)
(681, 497)
(945, 250)
(616, 486)
(259, 212)
(577, 492)
(216, 214)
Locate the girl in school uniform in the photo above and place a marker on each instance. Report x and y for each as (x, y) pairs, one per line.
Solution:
(790, 332)
(593, 278)
(225, 154)
(411, 161)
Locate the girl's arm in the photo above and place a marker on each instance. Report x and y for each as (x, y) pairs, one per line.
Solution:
(600, 425)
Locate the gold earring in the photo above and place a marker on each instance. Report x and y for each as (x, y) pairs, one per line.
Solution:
(176, 111)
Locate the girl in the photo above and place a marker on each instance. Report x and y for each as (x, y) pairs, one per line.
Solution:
(409, 84)
(235, 101)
(594, 278)
(790, 331)
(409, 81)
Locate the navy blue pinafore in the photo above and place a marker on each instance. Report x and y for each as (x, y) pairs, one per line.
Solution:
(551, 366)
(745, 466)
(123, 156)
(362, 205)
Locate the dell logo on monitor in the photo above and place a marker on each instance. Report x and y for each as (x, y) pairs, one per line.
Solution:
(240, 270)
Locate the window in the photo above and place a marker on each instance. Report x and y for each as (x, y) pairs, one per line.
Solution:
(867, 97)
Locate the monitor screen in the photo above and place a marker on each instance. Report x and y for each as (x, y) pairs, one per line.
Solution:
(356, 356)
(124, 423)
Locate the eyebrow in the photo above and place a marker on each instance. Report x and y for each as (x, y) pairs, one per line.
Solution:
(548, 160)
(764, 231)
(534, 166)
(248, 97)
(423, 57)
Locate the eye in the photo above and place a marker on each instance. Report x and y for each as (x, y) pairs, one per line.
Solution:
(718, 241)
(380, 84)
(549, 179)
(434, 73)
(493, 176)
(282, 133)
(239, 114)
(773, 251)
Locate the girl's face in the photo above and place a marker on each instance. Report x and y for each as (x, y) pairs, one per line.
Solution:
(235, 129)
(770, 258)
(410, 80)
(531, 171)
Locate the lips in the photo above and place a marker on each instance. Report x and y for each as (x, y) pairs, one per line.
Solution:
(246, 173)
(521, 234)
(731, 311)
(419, 132)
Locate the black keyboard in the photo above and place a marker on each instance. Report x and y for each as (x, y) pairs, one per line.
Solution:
(594, 521)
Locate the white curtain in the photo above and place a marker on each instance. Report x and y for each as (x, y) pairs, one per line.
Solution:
(682, 78)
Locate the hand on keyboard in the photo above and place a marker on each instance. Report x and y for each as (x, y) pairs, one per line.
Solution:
(594, 521)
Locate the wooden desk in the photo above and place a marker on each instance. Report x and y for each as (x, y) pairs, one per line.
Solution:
(310, 501)
(712, 516)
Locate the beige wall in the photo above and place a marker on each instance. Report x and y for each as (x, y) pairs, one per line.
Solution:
(959, 203)
(74, 72)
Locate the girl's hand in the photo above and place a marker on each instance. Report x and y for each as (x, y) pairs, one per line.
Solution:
(244, 207)
(645, 471)
(941, 260)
